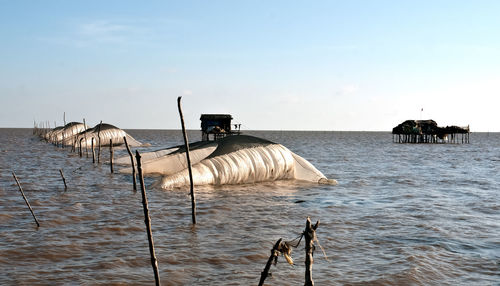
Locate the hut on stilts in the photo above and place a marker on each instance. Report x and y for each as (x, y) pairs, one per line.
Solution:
(217, 125)
(427, 131)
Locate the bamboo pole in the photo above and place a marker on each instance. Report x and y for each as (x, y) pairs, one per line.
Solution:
(64, 179)
(132, 163)
(309, 236)
(186, 143)
(147, 220)
(25, 199)
(111, 155)
(274, 254)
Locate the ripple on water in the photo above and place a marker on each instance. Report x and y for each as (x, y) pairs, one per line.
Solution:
(397, 217)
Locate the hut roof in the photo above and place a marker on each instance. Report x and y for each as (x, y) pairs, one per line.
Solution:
(215, 116)
(426, 127)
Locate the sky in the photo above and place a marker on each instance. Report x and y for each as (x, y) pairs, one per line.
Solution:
(274, 65)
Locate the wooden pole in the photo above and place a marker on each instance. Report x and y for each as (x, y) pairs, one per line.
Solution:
(93, 152)
(274, 254)
(186, 143)
(81, 154)
(99, 144)
(25, 199)
(111, 155)
(64, 179)
(85, 136)
(147, 220)
(132, 162)
(309, 236)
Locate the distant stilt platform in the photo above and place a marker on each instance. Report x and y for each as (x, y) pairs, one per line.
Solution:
(427, 131)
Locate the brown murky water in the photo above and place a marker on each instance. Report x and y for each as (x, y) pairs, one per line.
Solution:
(401, 215)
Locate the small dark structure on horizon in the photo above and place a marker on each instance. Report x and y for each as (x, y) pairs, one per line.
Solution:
(427, 131)
(218, 125)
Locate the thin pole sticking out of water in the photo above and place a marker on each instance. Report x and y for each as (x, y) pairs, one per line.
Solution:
(64, 179)
(309, 236)
(25, 199)
(99, 144)
(132, 162)
(80, 153)
(111, 155)
(85, 135)
(93, 151)
(147, 220)
(274, 253)
(186, 143)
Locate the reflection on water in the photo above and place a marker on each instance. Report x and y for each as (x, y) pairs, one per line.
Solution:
(401, 214)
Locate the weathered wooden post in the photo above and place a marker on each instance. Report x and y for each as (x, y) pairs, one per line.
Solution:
(99, 144)
(93, 151)
(64, 179)
(80, 153)
(85, 136)
(274, 254)
(62, 140)
(111, 155)
(186, 143)
(310, 237)
(131, 162)
(147, 220)
(25, 199)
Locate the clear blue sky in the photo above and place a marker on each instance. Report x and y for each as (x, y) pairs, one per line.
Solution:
(280, 65)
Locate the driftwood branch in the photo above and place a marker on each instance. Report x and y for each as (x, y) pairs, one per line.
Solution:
(25, 199)
(186, 143)
(309, 237)
(132, 162)
(64, 179)
(147, 220)
(274, 254)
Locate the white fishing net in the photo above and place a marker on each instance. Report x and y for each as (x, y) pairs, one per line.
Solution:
(103, 133)
(231, 160)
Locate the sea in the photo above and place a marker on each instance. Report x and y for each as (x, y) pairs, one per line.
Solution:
(401, 214)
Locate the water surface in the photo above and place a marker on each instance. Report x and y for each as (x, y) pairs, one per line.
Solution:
(402, 214)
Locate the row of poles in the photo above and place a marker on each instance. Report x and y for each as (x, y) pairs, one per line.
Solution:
(147, 219)
(280, 246)
(431, 138)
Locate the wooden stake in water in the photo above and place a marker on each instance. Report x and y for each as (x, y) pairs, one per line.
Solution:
(64, 179)
(85, 136)
(25, 199)
(274, 253)
(99, 144)
(147, 220)
(93, 152)
(131, 162)
(111, 155)
(186, 143)
(309, 237)
(80, 153)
